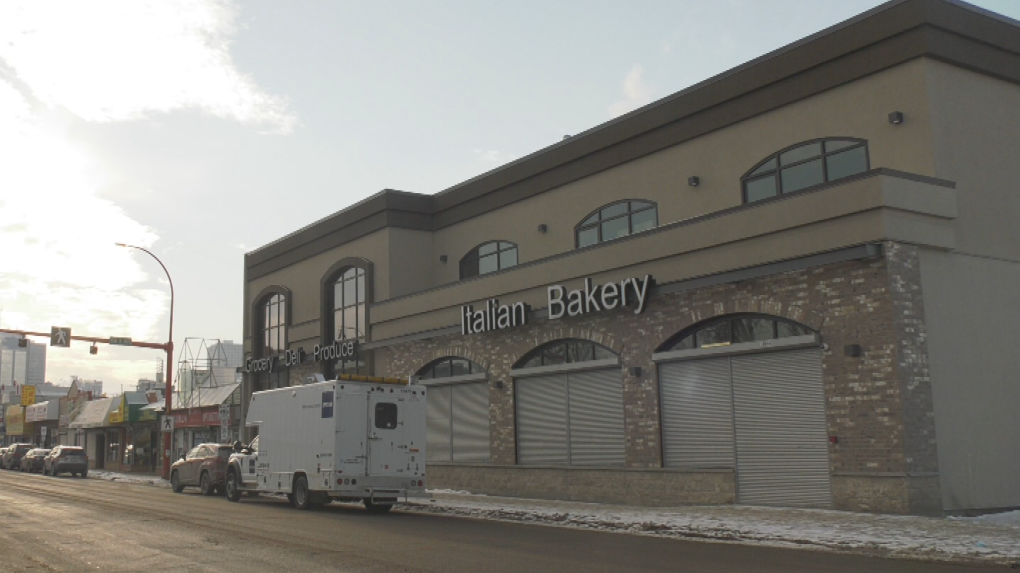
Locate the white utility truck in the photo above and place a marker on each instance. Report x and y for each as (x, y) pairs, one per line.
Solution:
(344, 440)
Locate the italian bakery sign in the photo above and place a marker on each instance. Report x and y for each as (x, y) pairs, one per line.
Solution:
(629, 292)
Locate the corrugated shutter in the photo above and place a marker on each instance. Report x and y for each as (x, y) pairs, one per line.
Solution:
(437, 424)
(542, 420)
(781, 437)
(697, 413)
(597, 436)
(471, 422)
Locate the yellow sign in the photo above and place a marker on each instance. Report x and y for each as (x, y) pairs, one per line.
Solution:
(15, 418)
(27, 395)
(117, 416)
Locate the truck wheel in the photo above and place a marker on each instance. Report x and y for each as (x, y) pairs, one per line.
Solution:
(302, 500)
(85, 473)
(377, 507)
(233, 493)
(205, 484)
(175, 483)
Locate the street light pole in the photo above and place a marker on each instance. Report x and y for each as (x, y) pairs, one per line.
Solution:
(168, 399)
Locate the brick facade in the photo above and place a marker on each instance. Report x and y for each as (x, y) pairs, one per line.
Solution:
(879, 404)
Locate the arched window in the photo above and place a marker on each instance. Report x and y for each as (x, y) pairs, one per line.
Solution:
(457, 411)
(805, 165)
(272, 338)
(566, 351)
(734, 329)
(347, 297)
(615, 221)
(449, 367)
(488, 258)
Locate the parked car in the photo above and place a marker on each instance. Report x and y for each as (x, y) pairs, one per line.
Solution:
(33, 460)
(205, 466)
(3, 451)
(66, 459)
(13, 455)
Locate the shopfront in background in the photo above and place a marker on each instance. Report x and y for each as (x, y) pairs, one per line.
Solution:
(44, 418)
(14, 423)
(195, 426)
(140, 432)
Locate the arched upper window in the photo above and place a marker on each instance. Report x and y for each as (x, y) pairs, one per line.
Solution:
(272, 338)
(348, 319)
(566, 351)
(448, 367)
(805, 165)
(615, 221)
(734, 329)
(487, 258)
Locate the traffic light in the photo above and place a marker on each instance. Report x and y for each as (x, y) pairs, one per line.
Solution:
(23, 342)
(93, 349)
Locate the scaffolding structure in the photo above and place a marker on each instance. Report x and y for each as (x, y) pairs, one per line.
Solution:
(202, 365)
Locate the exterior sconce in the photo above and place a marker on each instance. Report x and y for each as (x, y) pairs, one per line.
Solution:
(442, 258)
(852, 350)
(542, 227)
(635, 371)
(499, 384)
(896, 117)
(694, 181)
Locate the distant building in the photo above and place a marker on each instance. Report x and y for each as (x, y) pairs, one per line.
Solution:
(24, 364)
(226, 353)
(94, 386)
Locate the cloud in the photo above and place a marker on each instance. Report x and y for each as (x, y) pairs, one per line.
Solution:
(636, 93)
(491, 155)
(116, 60)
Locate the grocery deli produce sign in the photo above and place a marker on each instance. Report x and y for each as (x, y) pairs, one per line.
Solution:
(338, 350)
(562, 302)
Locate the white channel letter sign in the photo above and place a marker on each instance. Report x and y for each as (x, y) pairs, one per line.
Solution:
(494, 317)
(592, 298)
(339, 350)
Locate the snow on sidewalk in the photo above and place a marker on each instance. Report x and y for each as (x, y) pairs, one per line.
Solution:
(129, 478)
(990, 538)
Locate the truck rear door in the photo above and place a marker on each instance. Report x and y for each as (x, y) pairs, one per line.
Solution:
(387, 434)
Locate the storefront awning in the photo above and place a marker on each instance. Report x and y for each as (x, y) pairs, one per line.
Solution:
(94, 414)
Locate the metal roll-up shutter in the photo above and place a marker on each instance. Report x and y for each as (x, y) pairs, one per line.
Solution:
(437, 424)
(597, 436)
(542, 420)
(471, 422)
(697, 413)
(781, 436)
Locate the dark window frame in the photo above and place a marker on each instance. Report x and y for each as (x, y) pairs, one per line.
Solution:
(427, 372)
(474, 256)
(564, 344)
(692, 331)
(776, 172)
(336, 274)
(586, 225)
(280, 377)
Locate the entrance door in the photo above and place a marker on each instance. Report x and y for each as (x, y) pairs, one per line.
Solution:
(761, 414)
(100, 451)
(386, 435)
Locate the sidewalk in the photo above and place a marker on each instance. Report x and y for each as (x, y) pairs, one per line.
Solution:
(987, 539)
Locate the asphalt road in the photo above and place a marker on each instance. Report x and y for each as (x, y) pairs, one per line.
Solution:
(66, 524)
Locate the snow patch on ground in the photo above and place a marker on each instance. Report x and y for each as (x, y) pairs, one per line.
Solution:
(129, 478)
(988, 538)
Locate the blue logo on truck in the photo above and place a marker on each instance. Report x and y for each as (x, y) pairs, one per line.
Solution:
(327, 404)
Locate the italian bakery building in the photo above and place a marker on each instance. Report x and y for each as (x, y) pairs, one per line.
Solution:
(795, 284)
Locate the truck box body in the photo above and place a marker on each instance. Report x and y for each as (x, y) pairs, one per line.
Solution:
(352, 440)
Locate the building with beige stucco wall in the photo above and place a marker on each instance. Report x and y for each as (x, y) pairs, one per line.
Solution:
(821, 260)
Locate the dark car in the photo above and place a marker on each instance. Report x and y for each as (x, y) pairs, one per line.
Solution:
(66, 459)
(205, 466)
(13, 455)
(33, 460)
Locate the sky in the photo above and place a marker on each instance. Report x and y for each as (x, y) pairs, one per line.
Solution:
(204, 129)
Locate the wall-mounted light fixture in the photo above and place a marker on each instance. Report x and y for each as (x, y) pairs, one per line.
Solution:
(635, 371)
(542, 227)
(442, 258)
(896, 117)
(694, 181)
(499, 384)
(852, 350)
